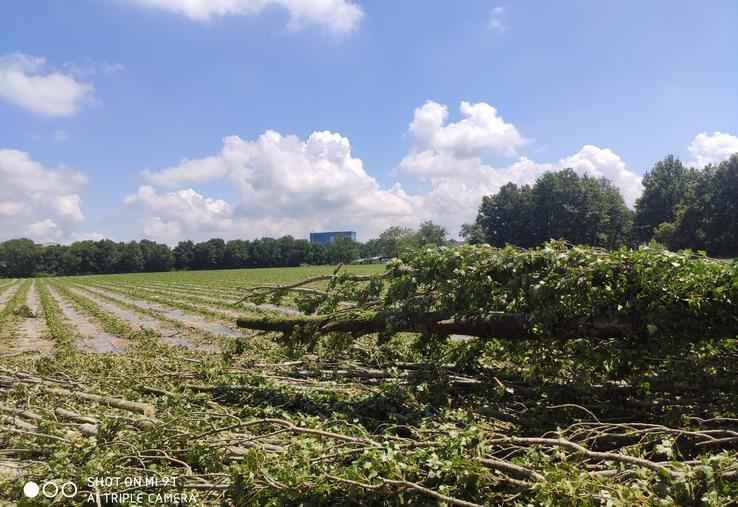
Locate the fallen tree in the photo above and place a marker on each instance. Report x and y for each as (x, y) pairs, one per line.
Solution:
(511, 326)
(556, 291)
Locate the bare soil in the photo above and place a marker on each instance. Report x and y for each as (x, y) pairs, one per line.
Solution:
(168, 334)
(32, 334)
(91, 338)
(187, 319)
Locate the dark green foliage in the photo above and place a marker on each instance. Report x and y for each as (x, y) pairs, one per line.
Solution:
(24, 258)
(18, 258)
(183, 254)
(395, 239)
(707, 217)
(664, 188)
(691, 208)
(431, 234)
(560, 205)
(157, 256)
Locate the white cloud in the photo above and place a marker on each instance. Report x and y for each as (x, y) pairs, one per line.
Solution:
(68, 206)
(37, 201)
(339, 16)
(44, 230)
(711, 149)
(283, 185)
(187, 205)
(159, 229)
(25, 81)
(199, 170)
(482, 130)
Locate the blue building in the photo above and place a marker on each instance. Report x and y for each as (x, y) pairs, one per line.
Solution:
(326, 238)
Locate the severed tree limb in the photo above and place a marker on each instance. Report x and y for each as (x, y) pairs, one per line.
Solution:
(578, 449)
(493, 325)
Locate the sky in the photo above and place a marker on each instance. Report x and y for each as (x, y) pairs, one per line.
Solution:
(192, 119)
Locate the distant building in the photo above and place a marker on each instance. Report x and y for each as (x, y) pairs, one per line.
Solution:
(326, 238)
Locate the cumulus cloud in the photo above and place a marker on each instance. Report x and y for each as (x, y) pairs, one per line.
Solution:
(44, 230)
(199, 170)
(338, 16)
(284, 185)
(36, 201)
(482, 130)
(711, 149)
(184, 206)
(26, 82)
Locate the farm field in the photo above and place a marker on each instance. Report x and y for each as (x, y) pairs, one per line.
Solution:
(147, 375)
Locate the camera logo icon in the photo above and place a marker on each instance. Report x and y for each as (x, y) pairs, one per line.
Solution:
(50, 489)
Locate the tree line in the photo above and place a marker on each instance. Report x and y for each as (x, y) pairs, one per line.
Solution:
(21, 258)
(681, 207)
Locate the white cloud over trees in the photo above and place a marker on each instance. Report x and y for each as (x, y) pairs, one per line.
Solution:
(711, 149)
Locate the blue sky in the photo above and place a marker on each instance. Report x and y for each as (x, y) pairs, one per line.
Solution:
(340, 113)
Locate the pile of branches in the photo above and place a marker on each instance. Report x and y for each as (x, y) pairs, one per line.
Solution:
(556, 291)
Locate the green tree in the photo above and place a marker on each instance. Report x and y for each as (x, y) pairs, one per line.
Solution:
(157, 256)
(82, 257)
(52, 260)
(580, 209)
(299, 253)
(370, 249)
(343, 250)
(395, 239)
(560, 205)
(264, 253)
(236, 254)
(19, 258)
(431, 234)
(131, 259)
(707, 216)
(318, 254)
(472, 233)
(209, 254)
(506, 217)
(106, 256)
(184, 253)
(665, 188)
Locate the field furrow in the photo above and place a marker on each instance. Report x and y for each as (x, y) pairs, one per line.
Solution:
(208, 306)
(6, 293)
(165, 330)
(159, 305)
(91, 338)
(32, 335)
